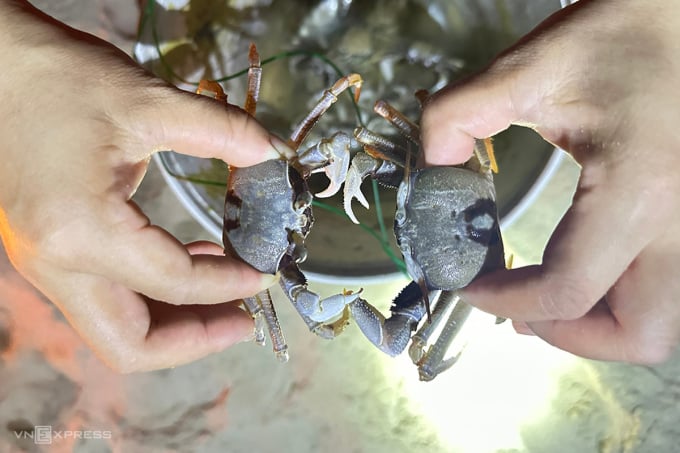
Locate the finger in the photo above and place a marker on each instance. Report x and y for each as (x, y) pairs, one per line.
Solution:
(531, 84)
(149, 260)
(585, 256)
(638, 321)
(133, 334)
(202, 127)
(163, 269)
(209, 248)
(192, 331)
(453, 118)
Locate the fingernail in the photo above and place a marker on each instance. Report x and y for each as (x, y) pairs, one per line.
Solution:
(249, 338)
(279, 149)
(522, 328)
(269, 280)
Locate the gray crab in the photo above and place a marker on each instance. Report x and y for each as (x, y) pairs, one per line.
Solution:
(446, 225)
(268, 214)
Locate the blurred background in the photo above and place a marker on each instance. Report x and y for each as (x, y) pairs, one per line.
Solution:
(507, 393)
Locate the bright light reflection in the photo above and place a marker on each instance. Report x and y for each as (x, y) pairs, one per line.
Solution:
(173, 4)
(502, 382)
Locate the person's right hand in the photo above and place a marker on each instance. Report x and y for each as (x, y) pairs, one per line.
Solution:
(601, 80)
(79, 122)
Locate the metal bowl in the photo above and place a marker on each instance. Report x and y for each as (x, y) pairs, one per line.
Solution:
(397, 46)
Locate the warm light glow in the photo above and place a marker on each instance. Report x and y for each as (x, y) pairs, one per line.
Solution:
(502, 382)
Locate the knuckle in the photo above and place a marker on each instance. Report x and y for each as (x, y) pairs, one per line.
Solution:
(186, 289)
(57, 249)
(183, 291)
(123, 362)
(565, 298)
(649, 353)
(659, 354)
(50, 249)
(121, 367)
(184, 294)
(237, 125)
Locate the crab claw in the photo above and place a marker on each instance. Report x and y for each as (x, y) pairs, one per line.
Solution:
(333, 306)
(362, 166)
(337, 150)
(353, 190)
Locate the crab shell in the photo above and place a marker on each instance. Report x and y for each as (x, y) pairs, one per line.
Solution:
(446, 225)
(265, 203)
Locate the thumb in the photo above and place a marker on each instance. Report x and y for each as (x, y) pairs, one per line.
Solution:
(202, 127)
(533, 83)
(478, 107)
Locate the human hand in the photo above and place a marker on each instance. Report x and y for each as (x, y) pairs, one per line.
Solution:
(599, 79)
(79, 123)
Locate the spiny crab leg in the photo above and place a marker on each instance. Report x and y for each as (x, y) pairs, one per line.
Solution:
(433, 362)
(379, 147)
(485, 157)
(263, 313)
(391, 335)
(278, 341)
(442, 304)
(405, 126)
(254, 307)
(327, 99)
(254, 77)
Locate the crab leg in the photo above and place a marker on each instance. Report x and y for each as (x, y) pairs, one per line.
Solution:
(254, 76)
(442, 305)
(253, 307)
(391, 335)
(278, 341)
(327, 99)
(262, 311)
(405, 126)
(432, 362)
(379, 147)
(486, 158)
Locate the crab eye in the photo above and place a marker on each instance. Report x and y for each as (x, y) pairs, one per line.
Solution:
(303, 201)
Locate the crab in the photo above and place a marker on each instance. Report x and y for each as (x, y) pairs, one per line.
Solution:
(446, 225)
(268, 215)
